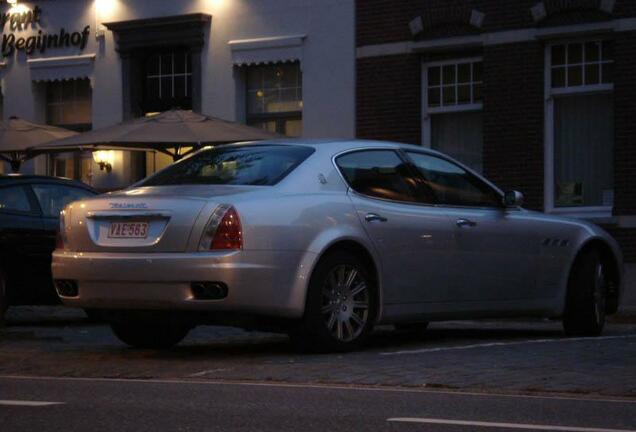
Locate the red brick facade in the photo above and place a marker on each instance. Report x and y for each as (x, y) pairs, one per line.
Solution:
(625, 113)
(513, 118)
(389, 86)
(388, 100)
(383, 21)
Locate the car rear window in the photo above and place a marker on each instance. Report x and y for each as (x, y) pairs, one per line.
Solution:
(54, 197)
(14, 199)
(261, 165)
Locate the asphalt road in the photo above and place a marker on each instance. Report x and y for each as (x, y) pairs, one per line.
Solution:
(63, 404)
(59, 372)
(504, 357)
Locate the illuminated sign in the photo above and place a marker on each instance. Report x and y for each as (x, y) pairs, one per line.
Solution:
(21, 19)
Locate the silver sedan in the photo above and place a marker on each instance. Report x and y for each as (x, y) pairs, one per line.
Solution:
(324, 240)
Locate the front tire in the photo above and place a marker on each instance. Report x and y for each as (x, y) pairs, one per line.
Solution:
(341, 305)
(160, 333)
(586, 297)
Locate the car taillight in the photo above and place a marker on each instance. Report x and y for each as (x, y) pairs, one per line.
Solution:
(223, 231)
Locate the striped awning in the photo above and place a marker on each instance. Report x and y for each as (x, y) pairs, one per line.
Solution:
(267, 50)
(61, 68)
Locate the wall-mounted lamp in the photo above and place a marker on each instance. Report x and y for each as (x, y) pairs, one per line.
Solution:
(13, 2)
(105, 159)
(105, 10)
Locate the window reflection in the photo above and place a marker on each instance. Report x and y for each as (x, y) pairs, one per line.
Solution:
(380, 174)
(453, 185)
(263, 165)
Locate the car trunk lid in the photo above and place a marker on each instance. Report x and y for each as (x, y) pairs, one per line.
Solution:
(154, 219)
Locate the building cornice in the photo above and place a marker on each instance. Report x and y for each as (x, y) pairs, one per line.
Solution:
(496, 38)
(147, 23)
(185, 30)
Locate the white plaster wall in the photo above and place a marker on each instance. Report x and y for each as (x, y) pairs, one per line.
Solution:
(328, 57)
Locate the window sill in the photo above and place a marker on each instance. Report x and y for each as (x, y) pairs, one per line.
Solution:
(455, 108)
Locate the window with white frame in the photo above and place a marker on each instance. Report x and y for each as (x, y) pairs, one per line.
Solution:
(168, 81)
(454, 84)
(452, 104)
(275, 98)
(579, 64)
(580, 127)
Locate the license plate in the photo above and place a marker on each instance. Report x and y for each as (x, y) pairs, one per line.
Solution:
(128, 230)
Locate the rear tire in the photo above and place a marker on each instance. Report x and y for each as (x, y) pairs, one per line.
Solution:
(160, 333)
(341, 305)
(586, 297)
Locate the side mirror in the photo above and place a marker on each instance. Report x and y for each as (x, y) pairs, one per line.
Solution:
(513, 199)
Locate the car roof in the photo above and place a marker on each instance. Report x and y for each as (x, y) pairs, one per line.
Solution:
(336, 146)
(28, 179)
(339, 145)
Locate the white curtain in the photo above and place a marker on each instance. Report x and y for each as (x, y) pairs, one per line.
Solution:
(459, 135)
(584, 150)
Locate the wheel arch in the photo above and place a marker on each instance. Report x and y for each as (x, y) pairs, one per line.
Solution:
(361, 250)
(613, 266)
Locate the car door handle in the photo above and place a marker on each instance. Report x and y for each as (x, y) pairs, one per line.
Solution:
(372, 217)
(465, 222)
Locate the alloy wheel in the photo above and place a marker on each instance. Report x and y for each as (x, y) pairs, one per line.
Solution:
(345, 302)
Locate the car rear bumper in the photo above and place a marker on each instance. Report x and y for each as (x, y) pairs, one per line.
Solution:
(262, 282)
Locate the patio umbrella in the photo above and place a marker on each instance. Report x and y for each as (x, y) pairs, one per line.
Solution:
(168, 132)
(18, 136)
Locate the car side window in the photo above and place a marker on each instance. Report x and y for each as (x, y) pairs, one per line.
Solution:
(378, 173)
(53, 198)
(14, 199)
(452, 184)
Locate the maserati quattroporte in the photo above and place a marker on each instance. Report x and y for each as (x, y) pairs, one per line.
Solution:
(324, 240)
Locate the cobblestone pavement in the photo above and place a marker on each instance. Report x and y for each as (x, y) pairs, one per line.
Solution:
(502, 356)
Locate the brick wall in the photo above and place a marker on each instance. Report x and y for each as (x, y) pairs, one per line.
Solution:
(513, 118)
(625, 118)
(626, 238)
(389, 91)
(389, 107)
(388, 101)
(383, 21)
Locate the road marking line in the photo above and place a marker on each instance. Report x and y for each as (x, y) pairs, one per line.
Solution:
(503, 425)
(500, 344)
(352, 387)
(28, 403)
(209, 371)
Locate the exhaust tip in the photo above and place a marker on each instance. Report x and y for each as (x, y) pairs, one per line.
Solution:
(209, 290)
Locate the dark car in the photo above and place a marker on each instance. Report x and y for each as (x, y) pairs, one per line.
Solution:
(29, 219)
